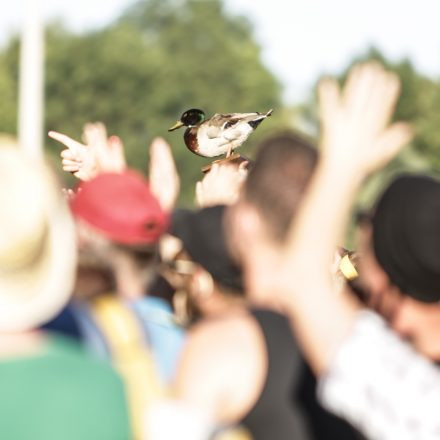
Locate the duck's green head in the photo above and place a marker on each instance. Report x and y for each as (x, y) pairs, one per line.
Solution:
(190, 118)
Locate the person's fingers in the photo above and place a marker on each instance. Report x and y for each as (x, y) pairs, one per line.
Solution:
(386, 94)
(67, 192)
(71, 144)
(161, 156)
(115, 148)
(199, 193)
(101, 129)
(88, 126)
(115, 142)
(244, 165)
(160, 150)
(392, 140)
(214, 169)
(69, 162)
(71, 168)
(95, 136)
(67, 154)
(360, 92)
(352, 84)
(328, 97)
(374, 100)
(243, 169)
(100, 134)
(92, 135)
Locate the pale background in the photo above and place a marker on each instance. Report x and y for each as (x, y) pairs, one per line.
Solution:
(323, 34)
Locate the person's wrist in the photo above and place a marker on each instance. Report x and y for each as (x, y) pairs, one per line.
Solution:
(340, 174)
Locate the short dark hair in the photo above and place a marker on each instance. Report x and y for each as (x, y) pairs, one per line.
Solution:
(406, 235)
(277, 180)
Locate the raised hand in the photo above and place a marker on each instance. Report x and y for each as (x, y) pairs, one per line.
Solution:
(356, 135)
(356, 139)
(77, 158)
(97, 155)
(109, 152)
(221, 185)
(163, 176)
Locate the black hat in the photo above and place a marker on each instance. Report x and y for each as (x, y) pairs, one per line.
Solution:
(406, 235)
(203, 235)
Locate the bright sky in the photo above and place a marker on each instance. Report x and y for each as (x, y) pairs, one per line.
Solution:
(300, 38)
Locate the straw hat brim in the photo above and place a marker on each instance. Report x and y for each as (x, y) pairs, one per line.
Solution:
(33, 297)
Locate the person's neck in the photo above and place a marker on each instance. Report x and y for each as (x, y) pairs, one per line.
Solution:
(221, 304)
(129, 277)
(261, 277)
(26, 343)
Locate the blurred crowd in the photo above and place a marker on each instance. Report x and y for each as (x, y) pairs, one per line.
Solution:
(125, 317)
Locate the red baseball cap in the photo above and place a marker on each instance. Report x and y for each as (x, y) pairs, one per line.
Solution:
(122, 207)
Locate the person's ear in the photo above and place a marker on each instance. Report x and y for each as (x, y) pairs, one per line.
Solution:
(371, 273)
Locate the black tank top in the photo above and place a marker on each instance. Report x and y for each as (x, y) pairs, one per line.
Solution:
(287, 407)
(275, 416)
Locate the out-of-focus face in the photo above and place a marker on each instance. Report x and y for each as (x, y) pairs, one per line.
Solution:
(235, 220)
(420, 324)
(413, 320)
(258, 255)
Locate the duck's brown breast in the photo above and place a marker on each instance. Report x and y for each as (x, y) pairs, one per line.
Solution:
(190, 138)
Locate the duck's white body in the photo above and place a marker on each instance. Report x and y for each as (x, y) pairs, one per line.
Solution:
(222, 134)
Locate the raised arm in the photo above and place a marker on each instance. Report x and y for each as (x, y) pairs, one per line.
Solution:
(368, 375)
(356, 139)
(163, 176)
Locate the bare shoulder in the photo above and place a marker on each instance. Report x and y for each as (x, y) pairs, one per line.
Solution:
(234, 337)
(224, 356)
(228, 329)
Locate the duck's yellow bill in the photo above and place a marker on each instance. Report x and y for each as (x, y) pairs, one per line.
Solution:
(177, 125)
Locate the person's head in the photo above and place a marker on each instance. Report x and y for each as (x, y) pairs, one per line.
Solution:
(400, 260)
(202, 260)
(270, 198)
(119, 223)
(37, 244)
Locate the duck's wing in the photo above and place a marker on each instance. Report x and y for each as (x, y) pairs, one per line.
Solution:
(216, 124)
(228, 124)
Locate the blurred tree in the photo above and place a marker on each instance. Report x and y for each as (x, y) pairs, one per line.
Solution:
(140, 73)
(8, 88)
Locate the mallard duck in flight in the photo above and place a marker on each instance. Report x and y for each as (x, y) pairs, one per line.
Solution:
(217, 135)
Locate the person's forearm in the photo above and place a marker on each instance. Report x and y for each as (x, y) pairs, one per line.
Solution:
(356, 139)
(319, 226)
(320, 318)
(321, 323)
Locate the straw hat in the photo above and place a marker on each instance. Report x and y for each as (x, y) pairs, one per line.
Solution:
(37, 244)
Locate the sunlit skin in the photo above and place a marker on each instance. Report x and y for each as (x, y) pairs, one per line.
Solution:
(413, 320)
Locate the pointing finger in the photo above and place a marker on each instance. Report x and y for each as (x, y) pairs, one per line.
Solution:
(71, 144)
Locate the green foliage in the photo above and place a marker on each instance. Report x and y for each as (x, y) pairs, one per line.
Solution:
(9, 88)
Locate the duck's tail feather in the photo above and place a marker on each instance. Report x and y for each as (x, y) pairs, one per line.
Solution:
(256, 121)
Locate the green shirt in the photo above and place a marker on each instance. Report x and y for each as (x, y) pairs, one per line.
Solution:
(61, 394)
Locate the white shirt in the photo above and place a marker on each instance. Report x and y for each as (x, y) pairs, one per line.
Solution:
(379, 383)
